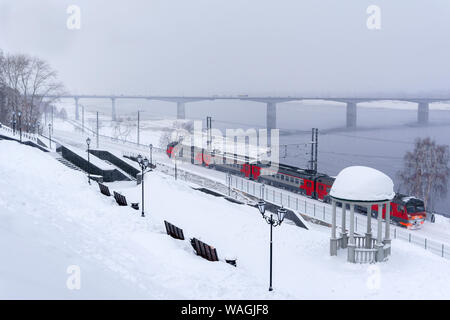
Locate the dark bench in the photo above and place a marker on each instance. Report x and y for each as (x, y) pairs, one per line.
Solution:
(120, 199)
(104, 189)
(174, 231)
(204, 250)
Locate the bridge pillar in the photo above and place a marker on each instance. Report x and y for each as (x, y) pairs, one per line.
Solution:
(351, 114)
(423, 112)
(113, 109)
(181, 110)
(271, 121)
(77, 109)
(271, 116)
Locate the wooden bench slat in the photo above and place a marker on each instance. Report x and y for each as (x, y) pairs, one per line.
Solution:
(215, 257)
(167, 227)
(180, 234)
(208, 252)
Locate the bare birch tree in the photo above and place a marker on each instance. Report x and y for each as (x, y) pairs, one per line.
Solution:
(426, 171)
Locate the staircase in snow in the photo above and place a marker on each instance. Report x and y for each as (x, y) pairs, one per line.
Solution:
(65, 162)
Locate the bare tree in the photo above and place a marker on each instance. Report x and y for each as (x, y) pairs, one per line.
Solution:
(121, 130)
(32, 79)
(10, 70)
(426, 171)
(176, 134)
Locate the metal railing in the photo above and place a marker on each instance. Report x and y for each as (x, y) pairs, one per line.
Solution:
(16, 133)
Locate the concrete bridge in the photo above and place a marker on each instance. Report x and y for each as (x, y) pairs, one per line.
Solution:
(423, 104)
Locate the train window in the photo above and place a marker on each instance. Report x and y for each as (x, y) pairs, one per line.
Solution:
(296, 181)
(282, 177)
(308, 184)
(410, 209)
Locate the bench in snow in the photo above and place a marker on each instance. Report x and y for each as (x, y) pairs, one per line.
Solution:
(174, 231)
(122, 201)
(104, 189)
(205, 251)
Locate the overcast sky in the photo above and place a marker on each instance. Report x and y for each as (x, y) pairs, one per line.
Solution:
(236, 46)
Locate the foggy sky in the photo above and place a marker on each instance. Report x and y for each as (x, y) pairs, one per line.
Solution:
(236, 46)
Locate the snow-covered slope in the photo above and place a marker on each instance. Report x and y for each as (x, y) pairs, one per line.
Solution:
(51, 219)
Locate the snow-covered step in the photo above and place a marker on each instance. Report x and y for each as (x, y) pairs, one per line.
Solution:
(68, 164)
(65, 162)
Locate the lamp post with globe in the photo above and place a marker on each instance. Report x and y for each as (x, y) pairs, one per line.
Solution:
(273, 222)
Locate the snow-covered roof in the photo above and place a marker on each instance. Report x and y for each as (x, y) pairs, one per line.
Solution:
(360, 183)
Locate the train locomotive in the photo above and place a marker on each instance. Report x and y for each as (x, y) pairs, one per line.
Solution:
(406, 211)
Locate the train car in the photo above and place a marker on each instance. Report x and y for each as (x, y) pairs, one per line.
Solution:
(406, 211)
(190, 154)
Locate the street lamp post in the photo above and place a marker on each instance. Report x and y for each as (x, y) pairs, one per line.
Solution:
(14, 122)
(281, 213)
(88, 142)
(20, 124)
(151, 154)
(50, 135)
(144, 164)
(175, 159)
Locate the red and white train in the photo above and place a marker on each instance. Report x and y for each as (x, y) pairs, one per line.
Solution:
(406, 211)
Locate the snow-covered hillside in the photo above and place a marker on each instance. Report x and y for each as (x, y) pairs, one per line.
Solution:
(51, 219)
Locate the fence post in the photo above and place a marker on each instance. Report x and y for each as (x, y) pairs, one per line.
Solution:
(395, 233)
(425, 243)
(442, 250)
(314, 209)
(356, 223)
(410, 237)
